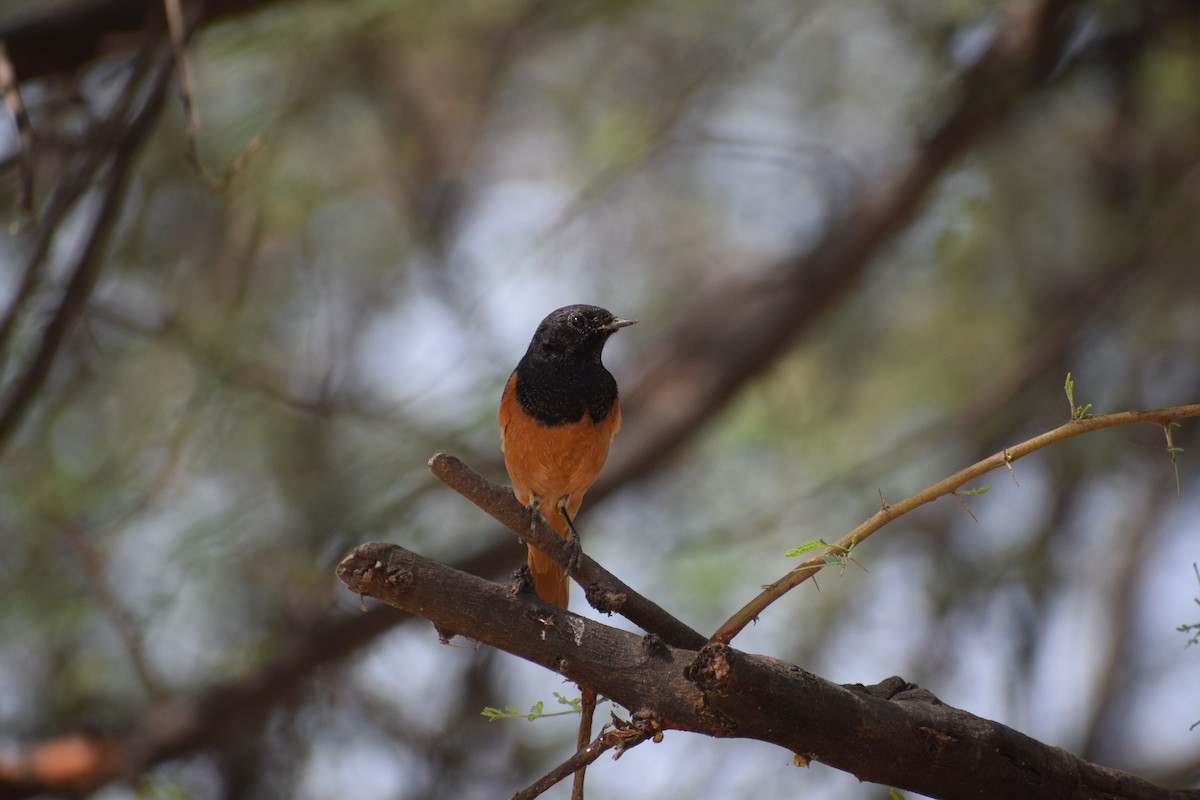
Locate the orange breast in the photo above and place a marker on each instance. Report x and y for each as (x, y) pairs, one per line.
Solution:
(553, 463)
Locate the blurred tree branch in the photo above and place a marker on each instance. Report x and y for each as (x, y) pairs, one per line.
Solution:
(181, 726)
(116, 145)
(61, 38)
(738, 330)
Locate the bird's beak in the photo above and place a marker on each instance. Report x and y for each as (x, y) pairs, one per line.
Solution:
(618, 323)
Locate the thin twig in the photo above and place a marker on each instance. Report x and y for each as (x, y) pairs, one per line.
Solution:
(101, 588)
(587, 714)
(573, 765)
(179, 32)
(748, 613)
(11, 92)
(623, 735)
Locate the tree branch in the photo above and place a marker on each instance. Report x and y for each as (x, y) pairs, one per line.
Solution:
(742, 328)
(889, 512)
(623, 735)
(892, 734)
(61, 38)
(604, 591)
(127, 136)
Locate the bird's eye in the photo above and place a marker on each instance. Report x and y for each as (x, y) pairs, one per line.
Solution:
(578, 322)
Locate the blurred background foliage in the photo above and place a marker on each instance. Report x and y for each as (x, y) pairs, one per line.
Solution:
(262, 373)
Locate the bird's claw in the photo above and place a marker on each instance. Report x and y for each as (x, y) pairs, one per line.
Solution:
(575, 556)
(574, 546)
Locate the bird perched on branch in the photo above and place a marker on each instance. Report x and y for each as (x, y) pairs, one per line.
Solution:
(558, 415)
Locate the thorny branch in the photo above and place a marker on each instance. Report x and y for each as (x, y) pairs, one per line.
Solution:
(947, 486)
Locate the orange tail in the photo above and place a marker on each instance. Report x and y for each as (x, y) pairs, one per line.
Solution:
(548, 577)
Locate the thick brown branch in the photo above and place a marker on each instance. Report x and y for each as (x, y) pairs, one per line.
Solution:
(892, 734)
(604, 591)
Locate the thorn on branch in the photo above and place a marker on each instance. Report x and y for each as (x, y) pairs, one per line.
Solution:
(966, 507)
(1172, 450)
(1008, 459)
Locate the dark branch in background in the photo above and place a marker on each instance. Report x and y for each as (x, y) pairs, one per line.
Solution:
(124, 138)
(181, 727)
(60, 39)
(80, 178)
(743, 328)
(904, 737)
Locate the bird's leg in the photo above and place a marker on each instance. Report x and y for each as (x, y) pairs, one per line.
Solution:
(534, 511)
(573, 542)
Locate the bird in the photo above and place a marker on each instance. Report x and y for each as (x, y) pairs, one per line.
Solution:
(558, 415)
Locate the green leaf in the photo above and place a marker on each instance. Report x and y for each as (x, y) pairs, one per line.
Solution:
(1077, 412)
(807, 547)
(536, 711)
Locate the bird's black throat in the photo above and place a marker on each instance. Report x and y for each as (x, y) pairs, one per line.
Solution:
(561, 391)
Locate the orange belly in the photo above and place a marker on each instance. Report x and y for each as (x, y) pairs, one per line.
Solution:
(556, 465)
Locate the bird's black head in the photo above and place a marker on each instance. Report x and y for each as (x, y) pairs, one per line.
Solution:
(575, 332)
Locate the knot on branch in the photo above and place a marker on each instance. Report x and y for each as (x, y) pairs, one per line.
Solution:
(654, 647)
(521, 581)
(887, 689)
(712, 668)
(604, 599)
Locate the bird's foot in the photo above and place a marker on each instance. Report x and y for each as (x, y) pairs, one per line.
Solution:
(575, 546)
